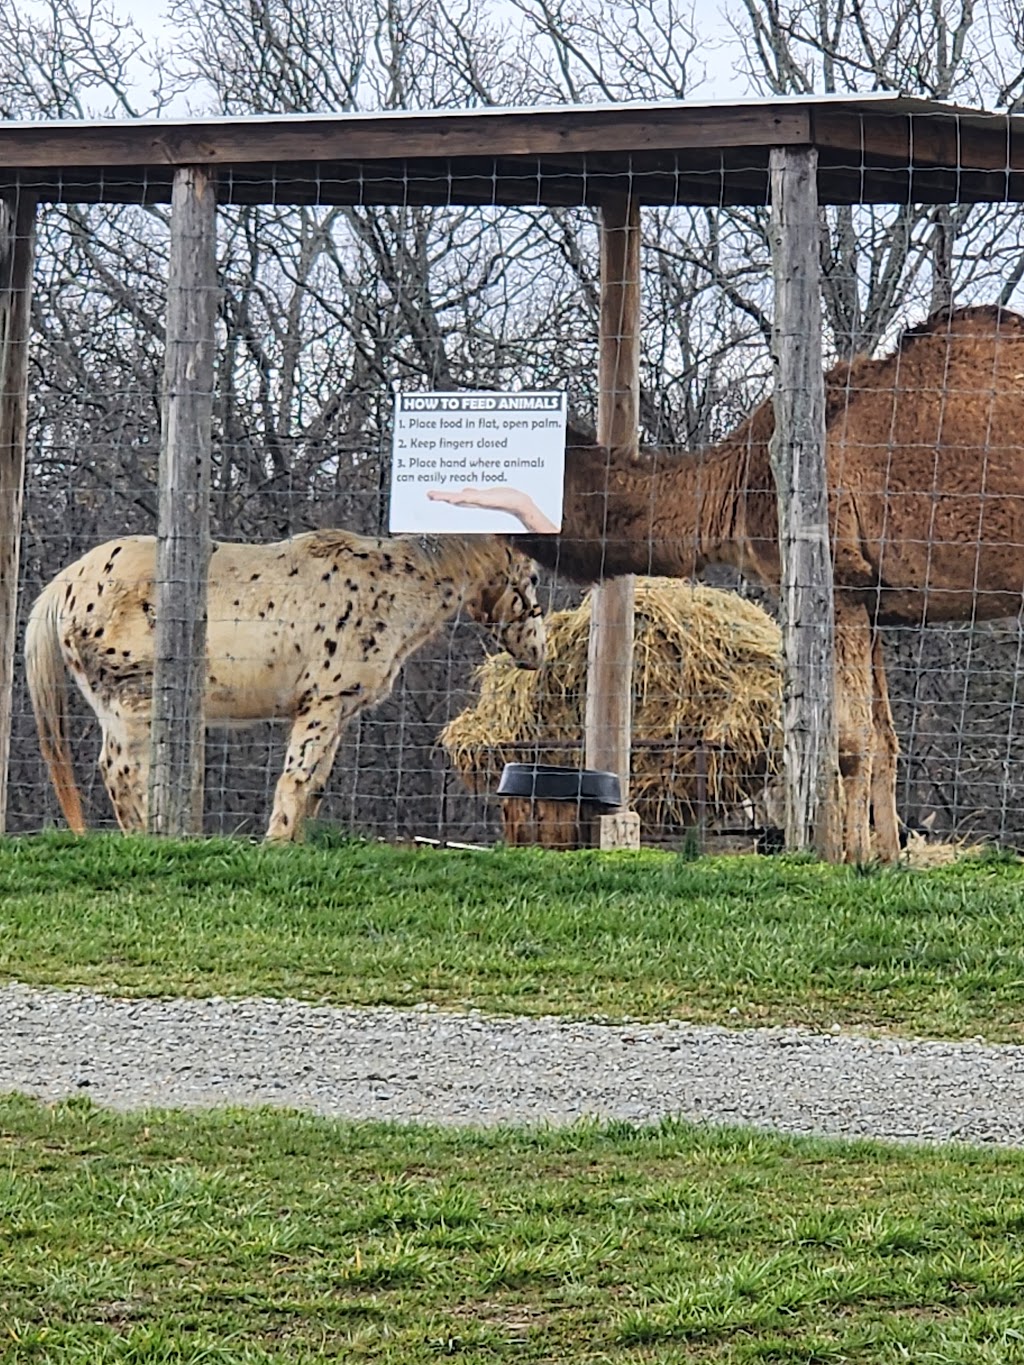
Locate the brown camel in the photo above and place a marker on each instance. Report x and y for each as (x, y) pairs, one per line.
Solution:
(925, 452)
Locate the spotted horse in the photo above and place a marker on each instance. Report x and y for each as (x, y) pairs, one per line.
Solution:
(310, 630)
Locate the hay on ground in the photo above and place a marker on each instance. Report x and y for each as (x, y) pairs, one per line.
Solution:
(706, 670)
(922, 853)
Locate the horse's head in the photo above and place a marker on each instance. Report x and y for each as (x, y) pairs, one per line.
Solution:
(507, 605)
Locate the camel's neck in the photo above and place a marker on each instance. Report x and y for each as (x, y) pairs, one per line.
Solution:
(667, 513)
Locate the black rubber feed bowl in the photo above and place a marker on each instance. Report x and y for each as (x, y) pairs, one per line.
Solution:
(548, 782)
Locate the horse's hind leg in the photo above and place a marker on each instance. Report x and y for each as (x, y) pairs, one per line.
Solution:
(124, 766)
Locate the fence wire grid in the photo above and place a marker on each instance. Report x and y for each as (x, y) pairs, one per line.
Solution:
(324, 309)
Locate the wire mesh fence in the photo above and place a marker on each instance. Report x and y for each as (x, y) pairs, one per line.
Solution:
(324, 308)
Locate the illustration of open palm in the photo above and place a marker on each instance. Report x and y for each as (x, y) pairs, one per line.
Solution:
(511, 500)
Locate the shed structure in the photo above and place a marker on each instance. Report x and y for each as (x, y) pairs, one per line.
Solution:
(794, 153)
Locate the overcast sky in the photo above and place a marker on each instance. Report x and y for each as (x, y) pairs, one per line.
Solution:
(714, 57)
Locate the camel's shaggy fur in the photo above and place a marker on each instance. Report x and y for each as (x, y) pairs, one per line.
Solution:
(311, 630)
(925, 452)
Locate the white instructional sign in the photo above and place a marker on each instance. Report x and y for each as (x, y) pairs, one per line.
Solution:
(481, 461)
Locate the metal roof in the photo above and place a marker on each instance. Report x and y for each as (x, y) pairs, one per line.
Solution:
(871, 148)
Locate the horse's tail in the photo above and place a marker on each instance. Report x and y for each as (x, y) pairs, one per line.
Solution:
(48, 690)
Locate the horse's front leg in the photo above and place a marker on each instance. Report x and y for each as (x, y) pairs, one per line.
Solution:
(312, 745)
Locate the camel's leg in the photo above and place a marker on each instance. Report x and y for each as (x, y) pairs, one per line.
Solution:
(124, 767)
(883, 763)
(312, 744)
(856, 731)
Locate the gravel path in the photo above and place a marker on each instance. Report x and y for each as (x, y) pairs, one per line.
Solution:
(478, 1070)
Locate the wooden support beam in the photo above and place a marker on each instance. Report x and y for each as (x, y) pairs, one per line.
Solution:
(17, 251)
(810, 744)
(609, 712)
(398, 135)
(183, 531)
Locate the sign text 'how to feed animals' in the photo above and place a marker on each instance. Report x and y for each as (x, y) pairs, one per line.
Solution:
(478, 462)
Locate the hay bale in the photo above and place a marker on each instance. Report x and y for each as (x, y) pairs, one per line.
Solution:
(706, 668)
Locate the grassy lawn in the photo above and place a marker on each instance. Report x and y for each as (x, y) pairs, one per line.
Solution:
(248, 1237)
(647, 935)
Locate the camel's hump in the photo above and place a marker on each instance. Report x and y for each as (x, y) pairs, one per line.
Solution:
(984, 320)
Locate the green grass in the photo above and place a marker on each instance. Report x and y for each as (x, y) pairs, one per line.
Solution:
(245, 1237)
(646, 935)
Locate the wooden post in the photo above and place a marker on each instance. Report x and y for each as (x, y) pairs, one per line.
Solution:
(183, 531)
(17, 251)
(609, 713)
(810, 743)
